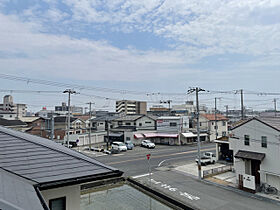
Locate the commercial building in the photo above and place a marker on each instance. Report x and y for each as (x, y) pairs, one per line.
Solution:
(128, 107)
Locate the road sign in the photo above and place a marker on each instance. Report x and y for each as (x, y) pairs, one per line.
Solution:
(148, 156)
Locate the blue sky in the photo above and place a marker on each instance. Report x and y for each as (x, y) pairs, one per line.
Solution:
(148, 45)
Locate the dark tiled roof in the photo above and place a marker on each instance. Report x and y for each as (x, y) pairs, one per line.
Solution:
(45, 162)
(63, 119)
(5, 122)
(249, 155)
(273, 122)
(17, 193)
(104, 118)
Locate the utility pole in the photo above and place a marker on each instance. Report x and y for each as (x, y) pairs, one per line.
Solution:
(226, 111)
(89, 133)
(197, 90)
(275, 108)
(216, 126)
(167, 102)
(107, 127)
(242, 106)
(69, 91)
(52, 127)
(216, 134)
(17, 111)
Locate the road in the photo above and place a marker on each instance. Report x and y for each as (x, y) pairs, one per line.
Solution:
(134, 162)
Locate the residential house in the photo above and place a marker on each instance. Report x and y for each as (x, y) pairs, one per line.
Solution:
(255, 145)
(38, 174)
(207, 122)
(37, 126)
(131, 124)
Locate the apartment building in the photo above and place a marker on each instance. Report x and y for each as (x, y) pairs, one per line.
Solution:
(9, 106)
(128, 107)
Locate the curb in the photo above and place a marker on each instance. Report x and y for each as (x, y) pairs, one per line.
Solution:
(259, 197)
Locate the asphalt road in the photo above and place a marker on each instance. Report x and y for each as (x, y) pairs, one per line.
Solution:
(134, 162)
(203, 195)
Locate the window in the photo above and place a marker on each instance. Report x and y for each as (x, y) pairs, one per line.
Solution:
(148, 122)
(128, 123)
(58, 203)
(173, 124)
(224, 133)
(212, 123)
(140, 124)
(216, 127)
(246, 140)
(127, 138)
(264, 141)
(200, 124)
(224, 123)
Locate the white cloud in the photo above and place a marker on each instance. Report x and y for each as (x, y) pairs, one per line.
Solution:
(63, 56)
(223, 26)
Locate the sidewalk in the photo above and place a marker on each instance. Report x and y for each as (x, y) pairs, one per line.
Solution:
(227, 179)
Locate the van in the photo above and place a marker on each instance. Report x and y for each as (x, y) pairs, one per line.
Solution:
(120, 146)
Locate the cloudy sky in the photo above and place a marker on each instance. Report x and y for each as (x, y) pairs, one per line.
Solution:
(149, 45)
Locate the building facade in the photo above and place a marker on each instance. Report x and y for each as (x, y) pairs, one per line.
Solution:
(128, 107)
(255, 144)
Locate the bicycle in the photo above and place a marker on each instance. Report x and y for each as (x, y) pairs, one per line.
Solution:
(268, 189)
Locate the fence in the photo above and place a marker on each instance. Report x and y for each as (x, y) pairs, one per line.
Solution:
(215, 171)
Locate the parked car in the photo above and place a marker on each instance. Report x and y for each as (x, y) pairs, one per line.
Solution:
(117, 145)
(207, 158)
(129, 145)
(148, 144)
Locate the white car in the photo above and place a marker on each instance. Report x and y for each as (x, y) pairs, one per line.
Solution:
(120, 146)
(148, 144)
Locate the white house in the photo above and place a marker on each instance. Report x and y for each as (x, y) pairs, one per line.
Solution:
(256, 150)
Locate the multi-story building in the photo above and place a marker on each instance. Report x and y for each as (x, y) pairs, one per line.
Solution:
(208, 122)
(9, 106)
(63, 109)
(128, 107)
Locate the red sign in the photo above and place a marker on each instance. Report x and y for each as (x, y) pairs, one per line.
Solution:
(148, 156)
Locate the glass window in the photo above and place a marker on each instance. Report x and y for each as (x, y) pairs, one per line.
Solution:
(224, 123)
(173, 124)
(58, 203)
(224, 133)
(264, 141)
(246, 140)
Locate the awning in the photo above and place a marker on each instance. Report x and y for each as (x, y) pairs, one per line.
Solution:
(192, 135)
(249, 155)
(160, 135)
(138, 136)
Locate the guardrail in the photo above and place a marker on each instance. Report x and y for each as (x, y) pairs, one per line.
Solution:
(218, 170)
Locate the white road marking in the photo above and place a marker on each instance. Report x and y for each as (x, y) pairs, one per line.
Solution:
(172, 159)
(175, 190)
(135, 177)
(118, 155)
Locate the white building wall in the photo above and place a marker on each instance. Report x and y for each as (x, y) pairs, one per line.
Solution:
(72, 194)
(270, 164)
(145, 123)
